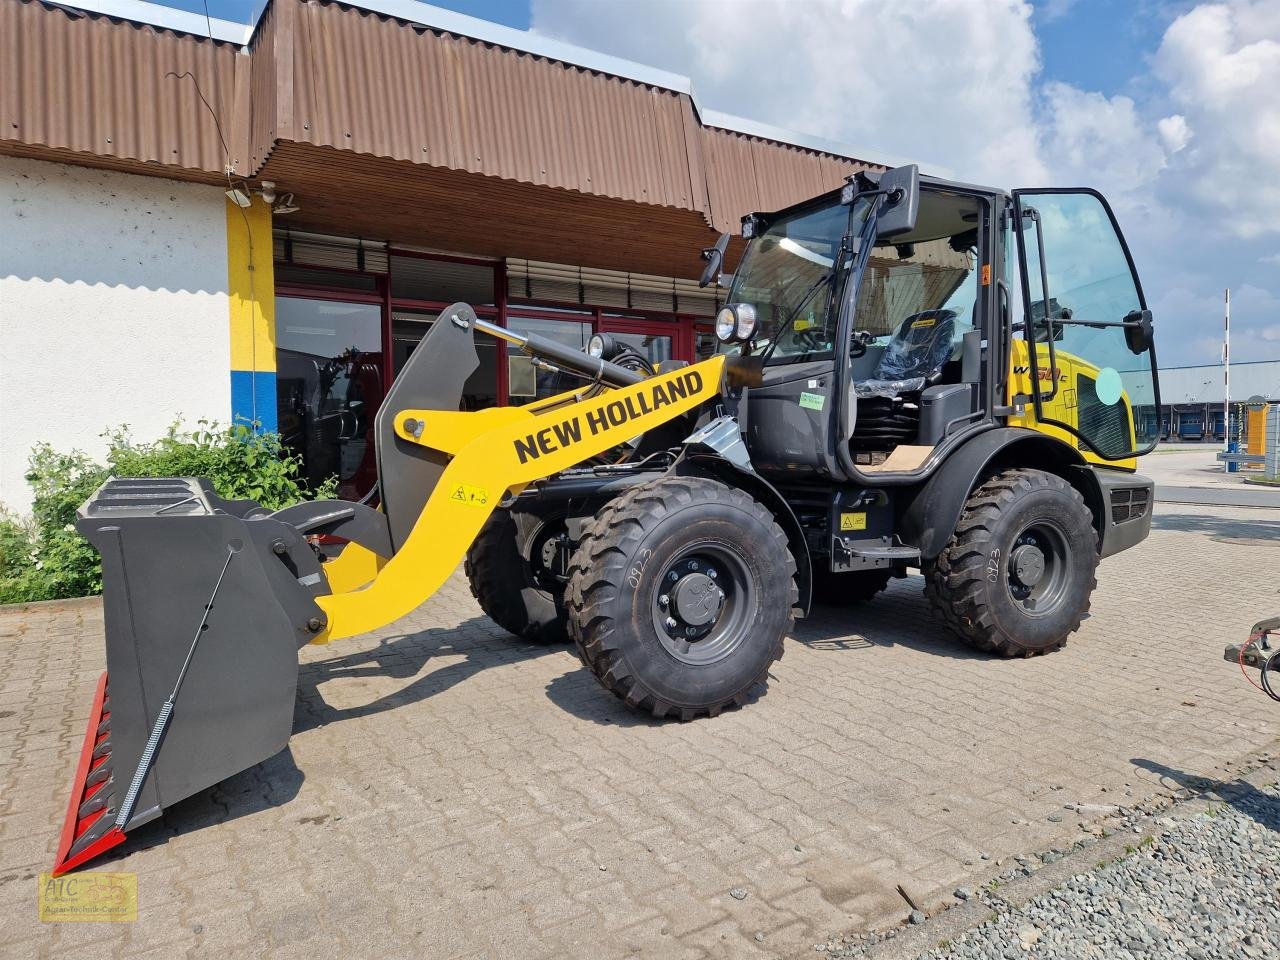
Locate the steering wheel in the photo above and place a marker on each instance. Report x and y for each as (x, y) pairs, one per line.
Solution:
(813, 339)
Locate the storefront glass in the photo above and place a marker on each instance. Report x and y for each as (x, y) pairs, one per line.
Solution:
(329, 385)
(408, 327)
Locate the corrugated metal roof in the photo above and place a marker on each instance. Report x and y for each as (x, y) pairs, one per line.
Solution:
(382, 87)
(328, 74)
(89, 84)
(527, 41)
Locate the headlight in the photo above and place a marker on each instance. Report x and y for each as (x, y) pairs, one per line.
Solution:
(746, 321)
(726, 324)
(595, 346)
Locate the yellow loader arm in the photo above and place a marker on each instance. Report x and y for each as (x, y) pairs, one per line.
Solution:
(493, 453)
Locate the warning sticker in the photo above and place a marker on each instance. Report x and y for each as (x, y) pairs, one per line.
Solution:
(812, 401)
(853, 521)
(471, 496)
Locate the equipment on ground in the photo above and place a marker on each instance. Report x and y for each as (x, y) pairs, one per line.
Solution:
(1261, 654)
(877, 404)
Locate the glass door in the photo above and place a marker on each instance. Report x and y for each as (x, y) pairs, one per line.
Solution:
(408, 327)
(329, 384)
(1087, 331)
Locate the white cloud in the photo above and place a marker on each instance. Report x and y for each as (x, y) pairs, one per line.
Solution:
(1174, 132)
(1190, 160)
(866, 72)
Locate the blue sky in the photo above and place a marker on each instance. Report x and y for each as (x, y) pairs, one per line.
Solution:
(1169, 107)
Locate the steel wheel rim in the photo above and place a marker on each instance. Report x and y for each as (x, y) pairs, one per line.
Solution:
(684, 600)
(1038, 593)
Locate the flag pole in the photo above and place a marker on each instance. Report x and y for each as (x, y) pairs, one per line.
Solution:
(1226, 373)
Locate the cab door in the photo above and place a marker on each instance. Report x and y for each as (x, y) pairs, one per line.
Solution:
(1087, 357)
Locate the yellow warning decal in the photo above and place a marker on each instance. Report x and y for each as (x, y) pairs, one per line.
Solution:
(471, 496)
(853, 521)
(927, 322)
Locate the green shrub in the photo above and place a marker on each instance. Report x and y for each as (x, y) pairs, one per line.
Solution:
(45, 559)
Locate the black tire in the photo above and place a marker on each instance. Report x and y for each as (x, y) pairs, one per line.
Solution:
(974, 585)
(842, 589)
(620, 616)
(515, 596)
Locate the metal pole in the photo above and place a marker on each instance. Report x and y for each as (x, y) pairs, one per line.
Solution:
(1226, 374)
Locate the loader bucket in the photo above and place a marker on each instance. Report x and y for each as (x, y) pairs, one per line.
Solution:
(219, 586)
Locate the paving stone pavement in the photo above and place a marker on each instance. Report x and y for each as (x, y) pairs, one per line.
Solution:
(450, 792)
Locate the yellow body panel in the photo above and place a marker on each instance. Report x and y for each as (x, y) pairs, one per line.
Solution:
(496, 452)
(1062, 406)
(352, 568)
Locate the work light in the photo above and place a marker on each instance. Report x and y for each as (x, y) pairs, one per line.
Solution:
(595, 346)
(726, 325)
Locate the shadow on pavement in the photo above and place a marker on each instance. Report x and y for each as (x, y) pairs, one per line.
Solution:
(478, 641)
(1217, 526)
(1244, 797)
(271, 783)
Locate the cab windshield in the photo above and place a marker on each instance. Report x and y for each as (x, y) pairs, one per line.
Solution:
(786, 274)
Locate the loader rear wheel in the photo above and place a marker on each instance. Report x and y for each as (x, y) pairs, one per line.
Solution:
(680, 594)
(1016, 576)
(512, 579)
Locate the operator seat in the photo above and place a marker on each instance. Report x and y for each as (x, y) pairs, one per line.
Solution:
(915, 356)
(889, 402)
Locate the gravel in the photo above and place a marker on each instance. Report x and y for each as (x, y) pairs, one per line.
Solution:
(1207, 887)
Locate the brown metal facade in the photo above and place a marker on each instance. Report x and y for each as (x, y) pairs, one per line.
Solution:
(338, 93)
(75, 83)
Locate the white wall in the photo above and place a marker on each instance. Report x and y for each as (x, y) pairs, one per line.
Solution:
(113, 309)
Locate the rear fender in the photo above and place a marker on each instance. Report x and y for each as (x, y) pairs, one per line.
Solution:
(931, 517)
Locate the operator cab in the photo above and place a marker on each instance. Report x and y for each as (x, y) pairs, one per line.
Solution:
(914, 364)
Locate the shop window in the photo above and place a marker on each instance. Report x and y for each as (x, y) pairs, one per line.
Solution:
(441, 281)
(329, 385)
(653, 347)
(408, 327)
(525, 382)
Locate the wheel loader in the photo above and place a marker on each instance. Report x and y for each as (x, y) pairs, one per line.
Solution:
(911, 374)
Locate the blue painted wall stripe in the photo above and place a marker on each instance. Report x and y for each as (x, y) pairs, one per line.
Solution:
(244, 385)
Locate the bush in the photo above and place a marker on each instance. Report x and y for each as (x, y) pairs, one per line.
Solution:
(45, 559)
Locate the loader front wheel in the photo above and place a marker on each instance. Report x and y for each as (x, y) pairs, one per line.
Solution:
(1016, 577)
(680, 594)
(511, 569)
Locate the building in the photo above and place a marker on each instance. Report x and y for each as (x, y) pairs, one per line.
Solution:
(1192, 400)
(389, 158)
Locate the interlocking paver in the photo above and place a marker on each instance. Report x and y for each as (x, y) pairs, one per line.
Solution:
(452, 792)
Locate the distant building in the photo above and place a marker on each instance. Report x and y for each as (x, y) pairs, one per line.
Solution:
(1191, 399)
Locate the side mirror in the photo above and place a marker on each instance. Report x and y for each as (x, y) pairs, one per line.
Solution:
(1139, 334)
(901, 203)
(715, 261)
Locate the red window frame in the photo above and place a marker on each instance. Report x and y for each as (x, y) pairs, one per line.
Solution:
(679, 326)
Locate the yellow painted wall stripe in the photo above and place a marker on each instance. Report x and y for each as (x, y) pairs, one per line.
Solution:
(251, 287)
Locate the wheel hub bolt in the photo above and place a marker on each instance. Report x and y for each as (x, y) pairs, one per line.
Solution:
(671, 623)
(673, 576)
(711, 572)
(663, 600)
(690, 632)
(693, 564)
